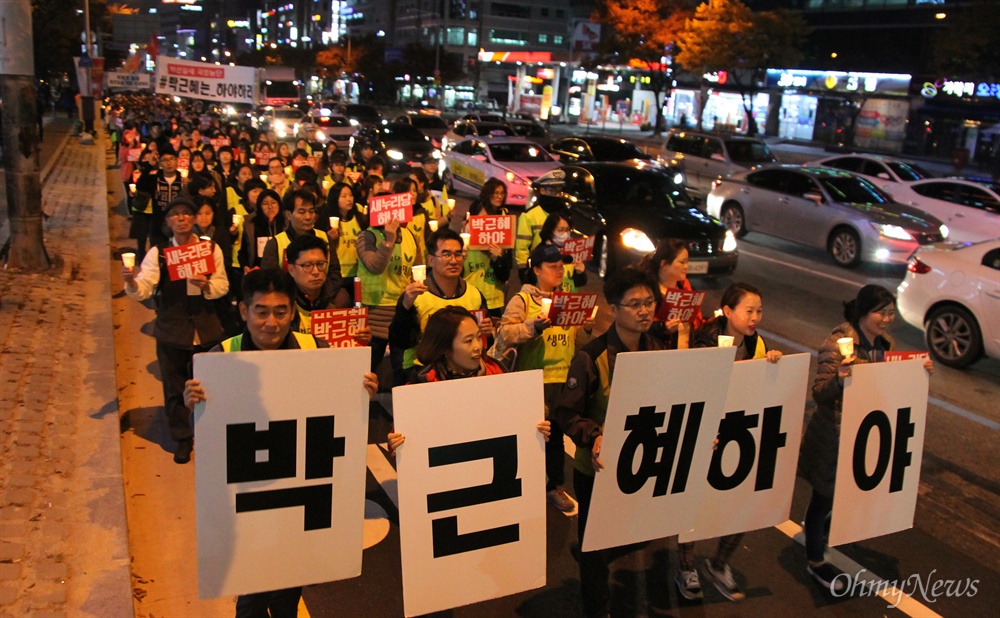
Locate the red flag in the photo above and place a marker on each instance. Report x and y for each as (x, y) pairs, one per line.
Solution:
(153, 48)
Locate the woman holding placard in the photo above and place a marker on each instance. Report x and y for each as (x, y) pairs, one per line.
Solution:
(488, 271)
(669, 266)
(862, 338)
(742, 311)
(451, 348)
(556, 230)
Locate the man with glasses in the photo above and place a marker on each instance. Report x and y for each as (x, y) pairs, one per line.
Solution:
(308, 264)
(444, 287)
(581, 408)
(187, 321)
(301, 215)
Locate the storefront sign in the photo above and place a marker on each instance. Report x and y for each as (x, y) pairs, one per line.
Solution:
(961, 89)
(839, 81)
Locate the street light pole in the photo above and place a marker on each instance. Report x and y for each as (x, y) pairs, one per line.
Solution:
(87, 97)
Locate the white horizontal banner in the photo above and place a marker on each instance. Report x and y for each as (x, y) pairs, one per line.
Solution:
(203, 80)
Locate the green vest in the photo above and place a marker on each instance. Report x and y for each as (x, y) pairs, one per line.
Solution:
(235, 344)
(383, 290)
(427, 304)
(347, 247)
(552, 351)
(529, 226)
(283, 240)
(479, 274)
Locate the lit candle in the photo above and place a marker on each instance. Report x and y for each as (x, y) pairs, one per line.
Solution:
(546, 306)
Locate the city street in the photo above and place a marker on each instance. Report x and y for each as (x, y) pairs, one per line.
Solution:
(955, 534)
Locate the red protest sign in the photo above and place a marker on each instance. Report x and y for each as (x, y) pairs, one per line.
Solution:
(183, 163)
(338, 327)
(679, 305)
(384, 208)
(133, 154)
(176, 143)
(486, 230)
(261, 157)
(572, 308)
(891, 357)
(219, 142)
(189, 260)
(582, 249)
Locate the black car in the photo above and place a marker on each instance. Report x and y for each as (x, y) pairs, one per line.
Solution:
(401, 145)
(636, 204)
(596, 148)
(362, 115)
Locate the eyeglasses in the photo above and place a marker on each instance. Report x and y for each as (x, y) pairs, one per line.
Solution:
(635, 305)
(311, 266)
(449, 255)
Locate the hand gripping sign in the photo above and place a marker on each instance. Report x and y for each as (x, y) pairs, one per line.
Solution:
(680, 305)
(486, 230)
(658, 434)
(280, 479)
(751, 476)
(881, 449)
(471, 490)
(384, 208)
(572, 308)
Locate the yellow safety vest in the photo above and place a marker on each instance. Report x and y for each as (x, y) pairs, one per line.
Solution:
(417, 225)
(529, 227)
(567, 283)
(283, 240)
(478, 272)
(427, 304)
(236, 205)
(384, 289)
(347, 247)
(552, 351)
(235, 344)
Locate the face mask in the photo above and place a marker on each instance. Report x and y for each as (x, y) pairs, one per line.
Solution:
(559, 239)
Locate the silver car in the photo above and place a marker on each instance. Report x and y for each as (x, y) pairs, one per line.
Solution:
(704, 157)
(823, 208)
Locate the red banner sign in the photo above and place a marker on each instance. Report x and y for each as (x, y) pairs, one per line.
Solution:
(572, 308)
(486, 230)
(219, 142)
(183, 163)
(384, 208)
(189, 260)
(891, 357)
(679, 305)
(338, 327)
(582, 249)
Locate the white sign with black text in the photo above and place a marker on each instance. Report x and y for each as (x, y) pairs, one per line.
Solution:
(280, 476)
(471, 489)
(661, 422)
(206, 81)
(881, 449)
(752, 473)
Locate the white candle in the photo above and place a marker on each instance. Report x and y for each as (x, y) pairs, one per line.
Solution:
(131, 188)
(466, 239)
(237, 219)
(419, 273)
(434, 225)
(334, 223)
(725, 341)
(128, 259)
(846, 345)
(546, 306)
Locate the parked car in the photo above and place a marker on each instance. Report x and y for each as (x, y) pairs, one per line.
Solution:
(514, 160)
(433, 126)
(705, 157)
(362, 115)
(596, 148)
(952, 292)
(531, 130)
(970, 209)
(882, 170)
(401, 145)
(473, 128)
(322, 126)
(630, 206)
(823, 208)
(485, 117)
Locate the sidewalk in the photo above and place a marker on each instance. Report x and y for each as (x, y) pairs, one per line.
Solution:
(63, 537)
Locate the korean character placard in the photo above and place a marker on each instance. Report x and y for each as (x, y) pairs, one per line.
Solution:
(219, 142)
(188, 261)
(572, 308)
(486, 230)
(680, 305)
(581, 249)
(281, 469)
(339, 326)
(891, 357)
(183, 163)
(384, 208)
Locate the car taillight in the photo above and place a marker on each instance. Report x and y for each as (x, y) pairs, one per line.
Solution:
(918, 267)
(716, 183)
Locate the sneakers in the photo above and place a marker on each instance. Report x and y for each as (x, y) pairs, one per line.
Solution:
(182, 454)
(689, 585)
(723, 581)
(561, 500)
(829, 577)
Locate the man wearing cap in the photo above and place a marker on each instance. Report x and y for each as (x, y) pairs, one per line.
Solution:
(529, 225)
(187, 321)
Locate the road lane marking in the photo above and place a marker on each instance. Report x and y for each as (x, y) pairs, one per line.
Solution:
(856, 284)
(871, 582)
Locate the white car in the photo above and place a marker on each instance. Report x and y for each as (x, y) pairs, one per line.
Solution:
(283, 120)
(323, 126)
(971, 210)
(882, 171)
(952, 292)
(514, 160)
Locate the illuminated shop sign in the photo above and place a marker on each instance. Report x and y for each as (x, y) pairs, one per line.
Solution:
(839, 81)
(960, 89)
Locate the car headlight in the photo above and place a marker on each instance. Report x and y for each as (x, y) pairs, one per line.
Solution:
(512, 177)
(354, 123)
(892, 231)
(436, 154)
(279, 125)
(395, 155)
(320, 136)
(637, 240)
(729, 244)
(678, 178)
(944, 231)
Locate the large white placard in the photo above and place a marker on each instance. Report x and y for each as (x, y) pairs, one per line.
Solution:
(471, 489)
(116, 80)
(663, 414)
(280, 476)
(752, 473)
(881, 449)
(203, 80)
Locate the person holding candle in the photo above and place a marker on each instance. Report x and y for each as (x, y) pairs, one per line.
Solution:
(340, 202)
(452, 349)
(668, 264)
(489, 270)
(742, 311)
(266, 222)
(444, 287)
(418, 224)
(865, 340)
(541, 345)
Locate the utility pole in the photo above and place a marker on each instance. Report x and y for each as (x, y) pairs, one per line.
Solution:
(19, 137)
(87, 96)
